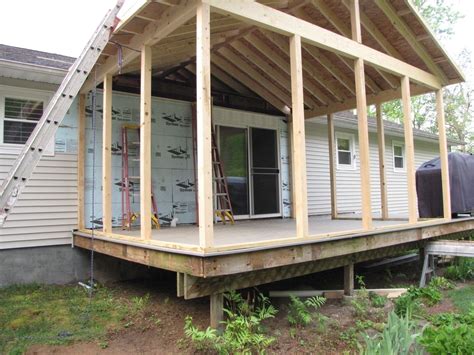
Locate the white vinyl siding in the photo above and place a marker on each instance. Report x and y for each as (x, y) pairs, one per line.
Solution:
(46, 211)
(348, 181)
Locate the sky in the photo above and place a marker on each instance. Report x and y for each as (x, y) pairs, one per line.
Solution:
(64, 26)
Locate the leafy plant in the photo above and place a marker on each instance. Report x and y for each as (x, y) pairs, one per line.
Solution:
(450, 334)
(462, 269)
(361, 301)
(377, 300)
(243, 331)
(398, 337)
(441, 283)
(299, 313)
(411, 301)
(139, 303)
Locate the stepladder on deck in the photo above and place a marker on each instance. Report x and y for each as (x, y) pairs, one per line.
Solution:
(463, 248)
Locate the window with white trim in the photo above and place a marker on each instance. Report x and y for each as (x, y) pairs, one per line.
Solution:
(398, 150)
(345, 151)
(20, 111)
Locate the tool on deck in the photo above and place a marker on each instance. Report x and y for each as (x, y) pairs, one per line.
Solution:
(129, 182)
(53, 115)
(223, 206)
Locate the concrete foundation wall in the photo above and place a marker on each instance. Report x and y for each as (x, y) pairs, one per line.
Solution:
(62, 265)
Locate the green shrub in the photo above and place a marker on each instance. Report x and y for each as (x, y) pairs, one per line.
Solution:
(449, 334)
(462, 269)
(243, 331)
(398, 338)
(361, 301)
(441, 283)
(377, 301)
(299, 312)
(411, 301)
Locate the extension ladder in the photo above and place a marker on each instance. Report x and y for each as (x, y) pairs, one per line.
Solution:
(223, 206)
(128, 216)
(53, 115)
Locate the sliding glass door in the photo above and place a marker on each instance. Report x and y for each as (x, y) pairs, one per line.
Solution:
(251, 164)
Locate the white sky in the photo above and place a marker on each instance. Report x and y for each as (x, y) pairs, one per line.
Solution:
(64, 26)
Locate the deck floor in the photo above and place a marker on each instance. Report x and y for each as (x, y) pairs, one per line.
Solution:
(246, 231)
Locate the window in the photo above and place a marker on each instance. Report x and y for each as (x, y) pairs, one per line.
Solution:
(20, 111)
(20, 118)
(398, 156)
(345, 151)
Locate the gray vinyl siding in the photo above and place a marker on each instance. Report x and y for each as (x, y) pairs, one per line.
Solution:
(348, 181)
(46, 211)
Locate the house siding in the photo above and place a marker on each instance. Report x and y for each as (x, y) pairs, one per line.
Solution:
(348, 181)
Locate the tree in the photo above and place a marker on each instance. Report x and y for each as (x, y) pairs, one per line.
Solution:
(458, 99)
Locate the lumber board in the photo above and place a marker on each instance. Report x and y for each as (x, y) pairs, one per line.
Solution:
(332, 165)
(381, 150)
(443, 153)
(107, 155)
(81, 151)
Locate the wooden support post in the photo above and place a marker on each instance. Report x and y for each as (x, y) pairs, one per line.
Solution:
(81, 146)
(349, 279)
(203, 123)
(363, 127)
(409, 149)
(383, 179)
(298, 150)
(217, 310)
(145, 143)
(443, 154)
(332, 166)
(107, 155)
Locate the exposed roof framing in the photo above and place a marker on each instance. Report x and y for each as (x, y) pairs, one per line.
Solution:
(250, 49)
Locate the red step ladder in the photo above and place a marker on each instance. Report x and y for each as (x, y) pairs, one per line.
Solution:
(128, 215)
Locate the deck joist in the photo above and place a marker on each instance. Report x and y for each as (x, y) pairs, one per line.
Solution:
(205, 273)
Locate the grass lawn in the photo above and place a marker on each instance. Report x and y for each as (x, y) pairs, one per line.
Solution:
(463, 298)
(35, 314)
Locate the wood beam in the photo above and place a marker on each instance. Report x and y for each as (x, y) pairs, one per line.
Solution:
(81, 147)
(382, 175)
(155, 31)
(217, 310)
(203, 123)
(342, 27)
(349, 279)
(409, 149)
(408, 34)
(332, 166)
(274, 20)
(107, 155)
(298, 139)
(363, 127)
(145, 143)
(443, 154)
(372, 99)
(251, 82)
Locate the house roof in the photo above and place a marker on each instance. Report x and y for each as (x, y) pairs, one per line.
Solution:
(258, 58)
(37, 58)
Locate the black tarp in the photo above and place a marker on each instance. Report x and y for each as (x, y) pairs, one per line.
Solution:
(429, 189)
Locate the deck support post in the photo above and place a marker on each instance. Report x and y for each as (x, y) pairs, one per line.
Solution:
(349, 279)
(363, 128)
(107, 155)
(409, 149)
(217, 310)
(443, 153)
(381, 146)
(81, 146)
(332, 166)
(203, 125)
(145, 143)
(298, 144)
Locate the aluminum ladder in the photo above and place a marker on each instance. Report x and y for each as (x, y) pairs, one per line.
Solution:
(53, 115)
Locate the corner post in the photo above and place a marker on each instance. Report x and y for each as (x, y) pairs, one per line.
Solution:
(107, 155)
(81, 146)
(332, 166)
(203, 123)
(298, 151)
(363, 128)
(381, 145)
(409, 149)
(145, 143)
(216, 310)
(349, 280)
(443, 154)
